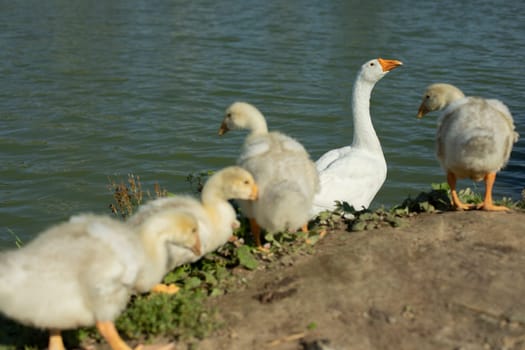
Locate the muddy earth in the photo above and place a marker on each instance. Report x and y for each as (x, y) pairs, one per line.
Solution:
(453, 280)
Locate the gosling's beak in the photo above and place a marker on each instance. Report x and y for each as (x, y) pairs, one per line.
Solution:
(196, 249)
(422, 110)
(388, 65)
(223, 129)
(255, 192)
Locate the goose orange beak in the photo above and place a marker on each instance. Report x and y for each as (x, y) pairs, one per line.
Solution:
(255, 192)
(223, 129)
(422, 111)
(388, 65)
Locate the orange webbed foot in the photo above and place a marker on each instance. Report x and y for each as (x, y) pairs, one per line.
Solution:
(165, 288)
(315, 238)
(492, 207)
(487, 204)
(264, 248)
(462, 206)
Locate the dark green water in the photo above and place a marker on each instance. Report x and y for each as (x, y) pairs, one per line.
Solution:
(97, 89)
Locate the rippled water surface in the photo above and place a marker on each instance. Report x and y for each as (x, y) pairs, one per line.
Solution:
(97, 89)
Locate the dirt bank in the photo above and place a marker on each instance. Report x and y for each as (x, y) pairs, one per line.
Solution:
(453, 280)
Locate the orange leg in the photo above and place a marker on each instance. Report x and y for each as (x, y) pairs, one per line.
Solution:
(165, 288)
(256, 232)
(451, 179)
(109, 332)
(322, 233)
(304, 229)
(487, 202)
(55, 340)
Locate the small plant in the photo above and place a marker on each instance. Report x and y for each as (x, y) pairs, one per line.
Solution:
(347, 218)
(438, 199)
(469, 196)
(182, 315)
(311, 326)
(198, 180)
(426, 202)
(126, 196)
(18, 241)
(521, 204)
(368, 220)
(335, 220)
(246, 258)
(129, 196)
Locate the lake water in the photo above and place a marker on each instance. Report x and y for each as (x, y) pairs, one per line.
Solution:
(97, 89)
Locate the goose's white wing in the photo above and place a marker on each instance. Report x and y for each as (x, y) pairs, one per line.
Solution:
(354, 178)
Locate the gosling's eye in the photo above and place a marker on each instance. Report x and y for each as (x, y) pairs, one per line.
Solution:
(229, 115)
(194, 230)
(427, 97)
(246, 182)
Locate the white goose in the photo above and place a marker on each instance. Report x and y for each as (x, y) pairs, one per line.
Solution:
(284, 172)
(474, 138)
(355, 173)
(82, 272)
(215, 215)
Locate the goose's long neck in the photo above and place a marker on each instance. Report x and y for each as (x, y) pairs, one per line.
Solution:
(210, 196)
(365, 136)
(155, 252)
(220, 214)
(210, 191)
(257, 124)
(155, 262)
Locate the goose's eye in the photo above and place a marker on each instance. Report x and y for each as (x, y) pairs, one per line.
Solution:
(427, 97)
(372, 64)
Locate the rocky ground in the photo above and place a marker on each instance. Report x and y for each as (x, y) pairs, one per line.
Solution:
(453, 280)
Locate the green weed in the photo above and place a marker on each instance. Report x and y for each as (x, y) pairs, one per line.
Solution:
(18, 241)
(437, 199)
(197, 181)
(180, 316)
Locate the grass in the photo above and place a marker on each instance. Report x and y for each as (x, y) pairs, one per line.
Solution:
(18, 241)
(129, 195)
(185, 316)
